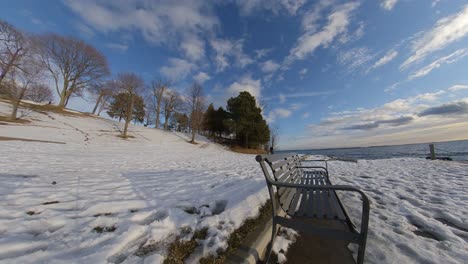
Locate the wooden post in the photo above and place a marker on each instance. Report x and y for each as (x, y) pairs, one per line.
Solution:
(432, 150)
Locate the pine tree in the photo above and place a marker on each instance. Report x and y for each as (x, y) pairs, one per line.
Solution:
(249, 126)
(119, 106)
(209, 119)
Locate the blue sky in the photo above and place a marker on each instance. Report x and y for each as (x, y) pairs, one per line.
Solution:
(327, 73)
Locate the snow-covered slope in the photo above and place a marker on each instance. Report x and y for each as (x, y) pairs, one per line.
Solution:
(145, 191)
(149, 188)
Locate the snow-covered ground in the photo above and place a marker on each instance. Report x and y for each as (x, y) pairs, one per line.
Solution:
(146, 191)
(419, 208)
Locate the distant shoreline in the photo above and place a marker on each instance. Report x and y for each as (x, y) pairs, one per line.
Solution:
(376, 146)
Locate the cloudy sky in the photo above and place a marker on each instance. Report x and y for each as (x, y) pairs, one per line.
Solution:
(327, 73)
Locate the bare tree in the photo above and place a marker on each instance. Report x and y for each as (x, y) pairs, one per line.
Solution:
(25, 76)
(104, 92)
(133, 85)
(171, 102)
(39, 93)
(158, 89)
(12, 48)
(197, 107)
(73, 62)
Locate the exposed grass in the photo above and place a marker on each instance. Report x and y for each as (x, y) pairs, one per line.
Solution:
(181, 250)
(101, 229)
(125, 137)
(49, 108)
(240, 235)
(17, 121)
(104, 214)
(29, 140)
(51, 202)
(239, 149)
(32, 213)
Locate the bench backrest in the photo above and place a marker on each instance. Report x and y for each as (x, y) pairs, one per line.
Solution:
(281, 168)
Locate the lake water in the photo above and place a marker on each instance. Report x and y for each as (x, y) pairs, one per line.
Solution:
(457, 150)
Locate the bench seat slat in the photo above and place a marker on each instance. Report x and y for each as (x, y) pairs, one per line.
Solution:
(297, 196)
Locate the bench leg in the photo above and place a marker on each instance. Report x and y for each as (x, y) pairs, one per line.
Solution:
(270, 245)
(361, 252)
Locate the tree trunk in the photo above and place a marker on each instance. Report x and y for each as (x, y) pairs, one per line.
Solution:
(193, 136)
(166, 121)
(129, 115)
(15, 110)
(63, 100)
(97, 103)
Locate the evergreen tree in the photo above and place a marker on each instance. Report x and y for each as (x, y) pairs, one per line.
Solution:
(119, 106)
(209, 119)
(248, 124)
(179, 121)
(220, 127)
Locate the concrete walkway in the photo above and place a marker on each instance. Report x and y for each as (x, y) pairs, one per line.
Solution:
(315, 249)
(306, 249)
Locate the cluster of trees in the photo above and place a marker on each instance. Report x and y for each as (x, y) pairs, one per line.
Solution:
(27, 61)
(243, 120)
(75, 68)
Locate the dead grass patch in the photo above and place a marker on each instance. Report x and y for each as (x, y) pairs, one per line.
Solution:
(125, 137)
(102, 214)
(32, 213)
(240, 235)
(16, 121)
(51, 202)
(29, 140)
(180, 250)
(50, 108)
(242, 150)
(103, 229)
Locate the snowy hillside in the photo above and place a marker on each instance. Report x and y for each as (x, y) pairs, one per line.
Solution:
(99, 198)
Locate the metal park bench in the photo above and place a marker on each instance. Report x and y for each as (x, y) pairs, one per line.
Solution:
(305, 192)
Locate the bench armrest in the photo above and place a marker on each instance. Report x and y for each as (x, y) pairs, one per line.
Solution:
(319, 160)
(311, 167)
(365, 200)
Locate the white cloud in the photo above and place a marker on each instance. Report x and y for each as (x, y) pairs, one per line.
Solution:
(246, 83)
(458, 87)
(269, 66)
(451, 58)
(300, 95)
(193, 47)
(201, 77)
(337, 24)
(389, 56)
(278, 113)
(423, 117)
(305, 115)
(247, 7)
(117, 47)
(354, 58)
(446, 31)
(226, 50)
(435, 2)
(177, 69)
(160, 22)
(388, 4)
(260, 53)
